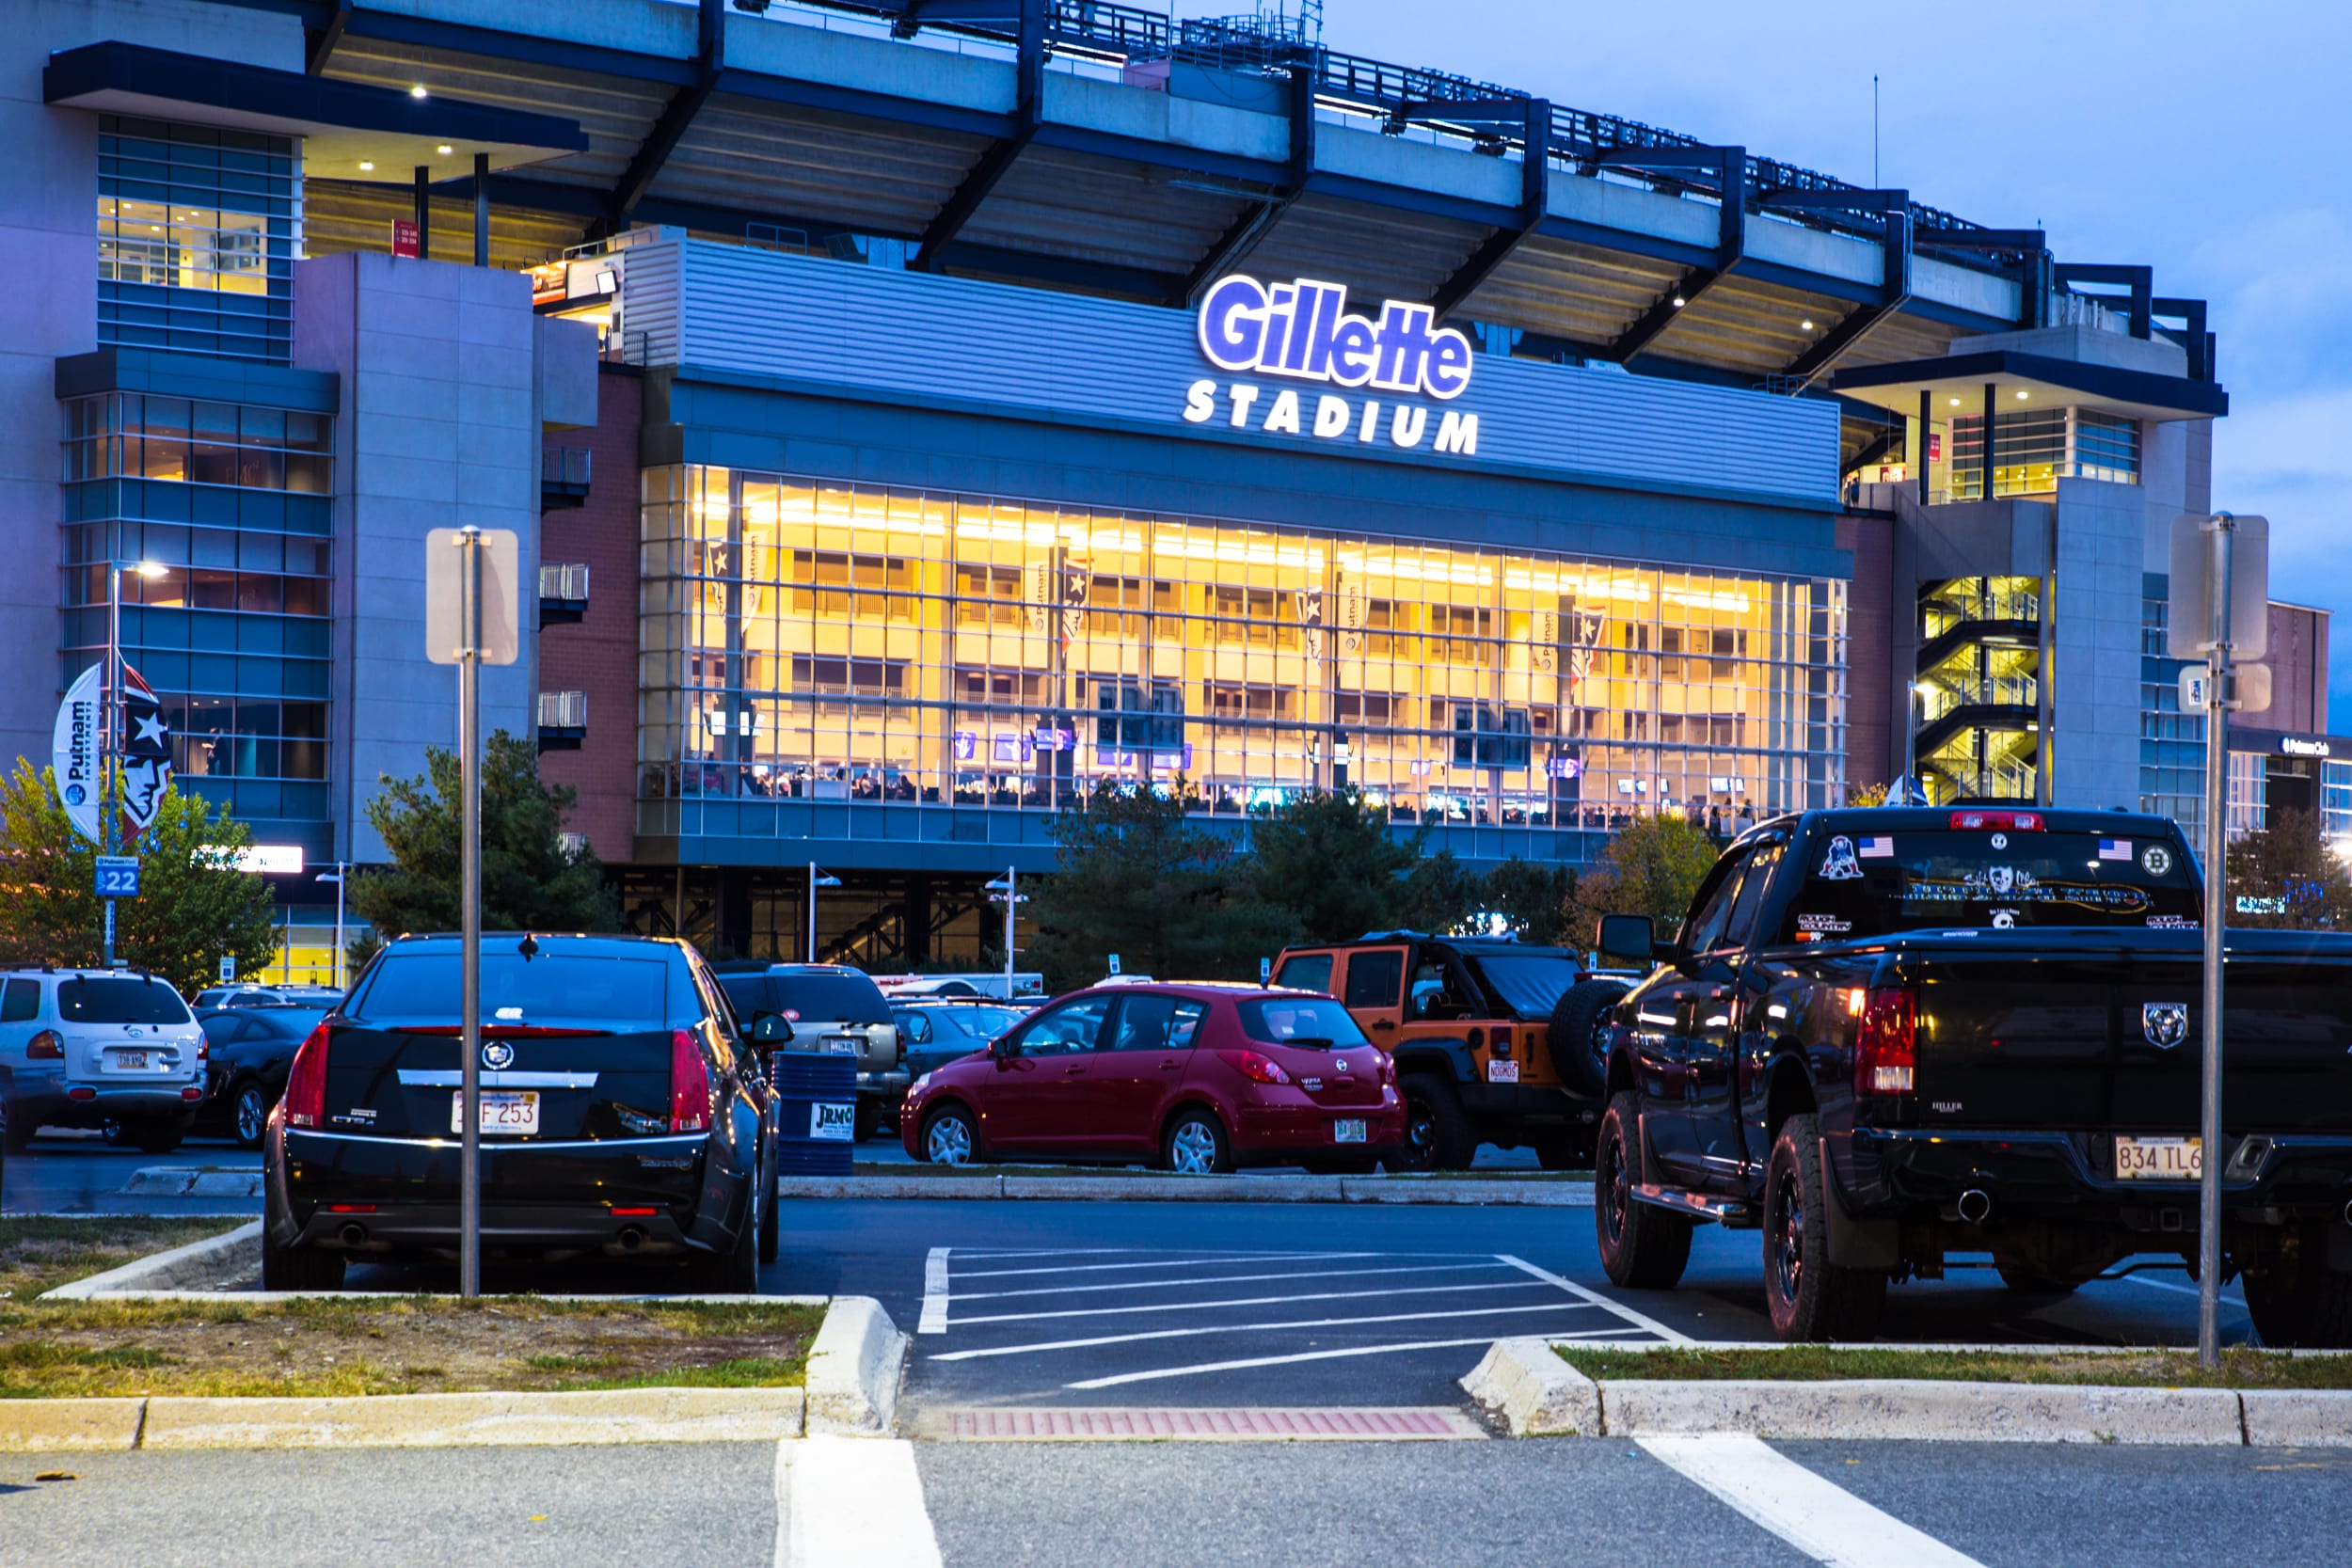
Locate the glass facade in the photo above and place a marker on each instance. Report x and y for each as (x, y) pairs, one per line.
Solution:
(2171, 742)
(2034, 449)
(196, 238)
(232, 500)
(824, 641)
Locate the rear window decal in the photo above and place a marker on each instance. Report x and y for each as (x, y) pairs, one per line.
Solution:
(1877, 847)
(2003, 920)
(2115, 850)
(1838, 864)
(1823, 924)
(2156, 859)
(2172, 923)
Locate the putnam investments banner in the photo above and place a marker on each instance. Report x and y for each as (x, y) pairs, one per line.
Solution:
(73, 750)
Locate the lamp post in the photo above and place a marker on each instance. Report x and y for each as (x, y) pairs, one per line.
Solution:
(1007, 888)
(1906, 784)
(336, 877)
(816, 880)
(109, 729)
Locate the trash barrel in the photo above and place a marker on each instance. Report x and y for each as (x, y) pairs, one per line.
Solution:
(816, 1112)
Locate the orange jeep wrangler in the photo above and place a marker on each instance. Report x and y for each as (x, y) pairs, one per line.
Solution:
(1495, 1041)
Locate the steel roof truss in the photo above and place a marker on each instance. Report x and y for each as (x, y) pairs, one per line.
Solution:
(677, 117)
(1534, 203)
(992, 165)
(1731, 164)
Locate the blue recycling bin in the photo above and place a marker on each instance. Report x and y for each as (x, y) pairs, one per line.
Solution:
(816, 1111)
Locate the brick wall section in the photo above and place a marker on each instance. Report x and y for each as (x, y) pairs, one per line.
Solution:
(599, 656)
(1872, 741)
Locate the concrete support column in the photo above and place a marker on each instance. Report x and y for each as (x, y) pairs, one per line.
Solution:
(1991, 413)
(424, 214)
(482, 209)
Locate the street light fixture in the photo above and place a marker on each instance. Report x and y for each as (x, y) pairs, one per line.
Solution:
(816, 880)
(1907, 791)
(336, 877)
(1007, 888)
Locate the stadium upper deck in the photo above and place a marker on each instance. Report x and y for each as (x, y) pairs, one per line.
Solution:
(1097, 147)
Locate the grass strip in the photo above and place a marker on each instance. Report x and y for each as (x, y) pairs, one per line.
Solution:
(2241, 1367)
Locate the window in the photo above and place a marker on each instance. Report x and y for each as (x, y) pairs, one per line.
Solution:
(1065, 1030)
(1154, 1023)
(1374, 978)
(195, 239)
(1703, 932)
(1307, 971)
(19, 1001)
(1303, 1022)
(119, 1000)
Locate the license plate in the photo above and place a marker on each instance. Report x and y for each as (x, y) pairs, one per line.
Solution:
(842, 1045)
(1347, 1131)
(510, 1110)
(1502, 1072)
(128, 1061)
(2159, 1159)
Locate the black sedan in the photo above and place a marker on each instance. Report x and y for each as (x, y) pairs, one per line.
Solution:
(621, 1114)
(251, 1048)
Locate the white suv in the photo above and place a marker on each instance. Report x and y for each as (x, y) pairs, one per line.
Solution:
(82, 1048)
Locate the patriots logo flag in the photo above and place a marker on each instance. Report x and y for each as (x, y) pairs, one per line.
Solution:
(145, 751)
(2115, 848)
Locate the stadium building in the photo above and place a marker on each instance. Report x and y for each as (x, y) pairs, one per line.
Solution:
(918, 414)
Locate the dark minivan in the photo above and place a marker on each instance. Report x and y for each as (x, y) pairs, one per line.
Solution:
(621, 1114)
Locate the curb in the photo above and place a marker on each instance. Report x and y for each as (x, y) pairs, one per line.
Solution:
(1197, 1189)
(853, 1369)
(71, 1426)
(1526, 1383)
(1536, 1394)
(477, 1421)
(214, 1262)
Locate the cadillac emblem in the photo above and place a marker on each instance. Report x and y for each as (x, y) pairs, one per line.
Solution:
(2165, 1024)
(497, 1056)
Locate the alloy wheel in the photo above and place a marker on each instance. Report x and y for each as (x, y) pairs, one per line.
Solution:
(950, 1142)
(1193, 1150)
(1789, 1238)
(252, 1115)
(1616, 1187)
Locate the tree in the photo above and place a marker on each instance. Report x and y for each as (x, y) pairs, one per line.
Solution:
(194, 907)
(1136, 878)
(1652, 867)
(1440, 895)
(1326, 857)
(529, 881)
(1539, 901)
(2290, 875)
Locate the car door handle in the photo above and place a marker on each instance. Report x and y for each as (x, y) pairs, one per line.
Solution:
(1073, 1069)
(1383, 1024)
(1171, 1065)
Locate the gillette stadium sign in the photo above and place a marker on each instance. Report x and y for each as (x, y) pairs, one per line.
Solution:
(1378, 370)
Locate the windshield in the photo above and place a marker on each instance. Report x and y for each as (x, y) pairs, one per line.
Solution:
(551, 988)
(1530, 984)
(830, 998)
(977, 1024)
(1864, 885)
(119, 1000)
(1307, 1021)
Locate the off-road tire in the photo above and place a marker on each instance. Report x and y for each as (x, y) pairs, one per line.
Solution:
(1189, 1126)
(1438, 1133)
(734, 1272)
(1641, 1247)
(300, 1268)
(2299, 1303)
(1573, 1042)
(1810, 1298)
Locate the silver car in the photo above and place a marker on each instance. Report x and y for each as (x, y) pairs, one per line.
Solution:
(88, 1048)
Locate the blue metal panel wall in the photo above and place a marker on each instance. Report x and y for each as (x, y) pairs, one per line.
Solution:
(798, 323)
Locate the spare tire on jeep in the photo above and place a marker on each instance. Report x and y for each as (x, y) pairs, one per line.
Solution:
(1573, 1038)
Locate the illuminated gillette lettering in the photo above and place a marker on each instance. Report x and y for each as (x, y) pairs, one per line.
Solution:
(1303, 330)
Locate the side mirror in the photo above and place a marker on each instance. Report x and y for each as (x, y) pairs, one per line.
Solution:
(1630, 937)
(1003, 1048)
(770, 1029)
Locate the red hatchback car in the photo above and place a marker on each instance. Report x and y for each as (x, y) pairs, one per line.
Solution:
(1195, 1078)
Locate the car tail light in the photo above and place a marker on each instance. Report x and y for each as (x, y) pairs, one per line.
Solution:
(1257, 1068)
(2012, 821)
(1388, 1068)
(1886, 1046)
(81, 1091)
(47, 1046)
(351, 1208)
(191, 1092)
(690, 1086)
(635, 1213)
(306, 1082)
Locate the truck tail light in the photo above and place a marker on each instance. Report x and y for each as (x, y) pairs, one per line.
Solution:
(1257, 1068)
(1886, 1046)
(2010, 821)
(690, 1086)
(306, 1082)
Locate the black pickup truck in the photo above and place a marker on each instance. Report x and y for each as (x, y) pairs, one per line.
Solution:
(1887, 1035)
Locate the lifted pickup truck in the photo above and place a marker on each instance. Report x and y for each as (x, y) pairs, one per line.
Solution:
(1495, 1041)
(1883, 1036)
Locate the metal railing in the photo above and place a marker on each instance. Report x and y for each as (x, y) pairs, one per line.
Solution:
(563, 710)
(1950, 609)
(564, 468)
(1941, 697)
(566, 580)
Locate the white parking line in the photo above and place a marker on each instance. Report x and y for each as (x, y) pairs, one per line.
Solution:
(851, 1502)
(1287, 1360)
(1647, 1324)
(934, 1319)
(1240, 1301)
(1248, 1328)
(1823, 1521)
(1223, 1279)
(1180, 1260)
(2227, 1300)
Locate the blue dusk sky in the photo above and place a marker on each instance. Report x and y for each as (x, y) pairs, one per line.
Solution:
(2205, 140)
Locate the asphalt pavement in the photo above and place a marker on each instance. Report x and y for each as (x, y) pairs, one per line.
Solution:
(1506, 1504)
(80, 1172)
